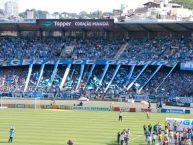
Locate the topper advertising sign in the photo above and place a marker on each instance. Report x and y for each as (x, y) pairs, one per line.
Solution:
(74, 23)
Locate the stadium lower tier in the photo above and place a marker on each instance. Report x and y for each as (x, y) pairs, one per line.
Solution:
(95, 81)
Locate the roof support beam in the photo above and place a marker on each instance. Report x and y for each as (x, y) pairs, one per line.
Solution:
(187, 28)
(145, 28)
(123, 27)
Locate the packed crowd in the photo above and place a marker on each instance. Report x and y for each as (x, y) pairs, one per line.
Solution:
(179, 83)
(168, 135)
(167, 48)
(29, 48)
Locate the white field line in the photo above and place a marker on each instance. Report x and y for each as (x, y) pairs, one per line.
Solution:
(137, 138)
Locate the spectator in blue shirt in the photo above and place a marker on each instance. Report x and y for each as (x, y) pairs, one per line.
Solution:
(11, 134)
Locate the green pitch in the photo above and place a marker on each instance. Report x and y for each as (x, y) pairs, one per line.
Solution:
(48, 127)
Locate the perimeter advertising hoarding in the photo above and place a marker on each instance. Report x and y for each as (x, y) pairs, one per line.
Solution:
(74, 23)
(88, 108)
(175, 111)
(178, 104)
(182, 123)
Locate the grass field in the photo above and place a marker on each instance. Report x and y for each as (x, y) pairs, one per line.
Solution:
(48, 127)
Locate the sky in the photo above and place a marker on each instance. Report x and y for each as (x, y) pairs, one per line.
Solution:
(74, 5)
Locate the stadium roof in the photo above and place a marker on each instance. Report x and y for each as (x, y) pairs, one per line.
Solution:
(156, 25)
(127, 25)
(151, 27)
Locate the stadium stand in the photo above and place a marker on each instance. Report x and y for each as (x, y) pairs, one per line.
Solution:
(105, 81)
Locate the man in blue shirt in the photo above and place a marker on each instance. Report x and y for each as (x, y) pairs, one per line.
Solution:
(157, 127)
(148, 137)
(11, 135)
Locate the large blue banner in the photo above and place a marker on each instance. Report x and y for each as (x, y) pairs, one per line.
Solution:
(20, 62)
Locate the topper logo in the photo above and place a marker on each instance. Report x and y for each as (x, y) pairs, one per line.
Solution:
(47, 24)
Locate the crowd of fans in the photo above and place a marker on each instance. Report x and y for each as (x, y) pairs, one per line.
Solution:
(167, 48)
(179, 83)
(29, 48)
(170, 134)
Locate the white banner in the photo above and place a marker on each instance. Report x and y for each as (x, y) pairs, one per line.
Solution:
(131, 101)
(182, 123)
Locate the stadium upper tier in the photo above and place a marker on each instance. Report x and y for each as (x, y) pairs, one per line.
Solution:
(166, 48)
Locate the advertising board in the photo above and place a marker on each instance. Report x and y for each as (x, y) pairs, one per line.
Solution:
(182, 123)
(175, 111)
(74, 23)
